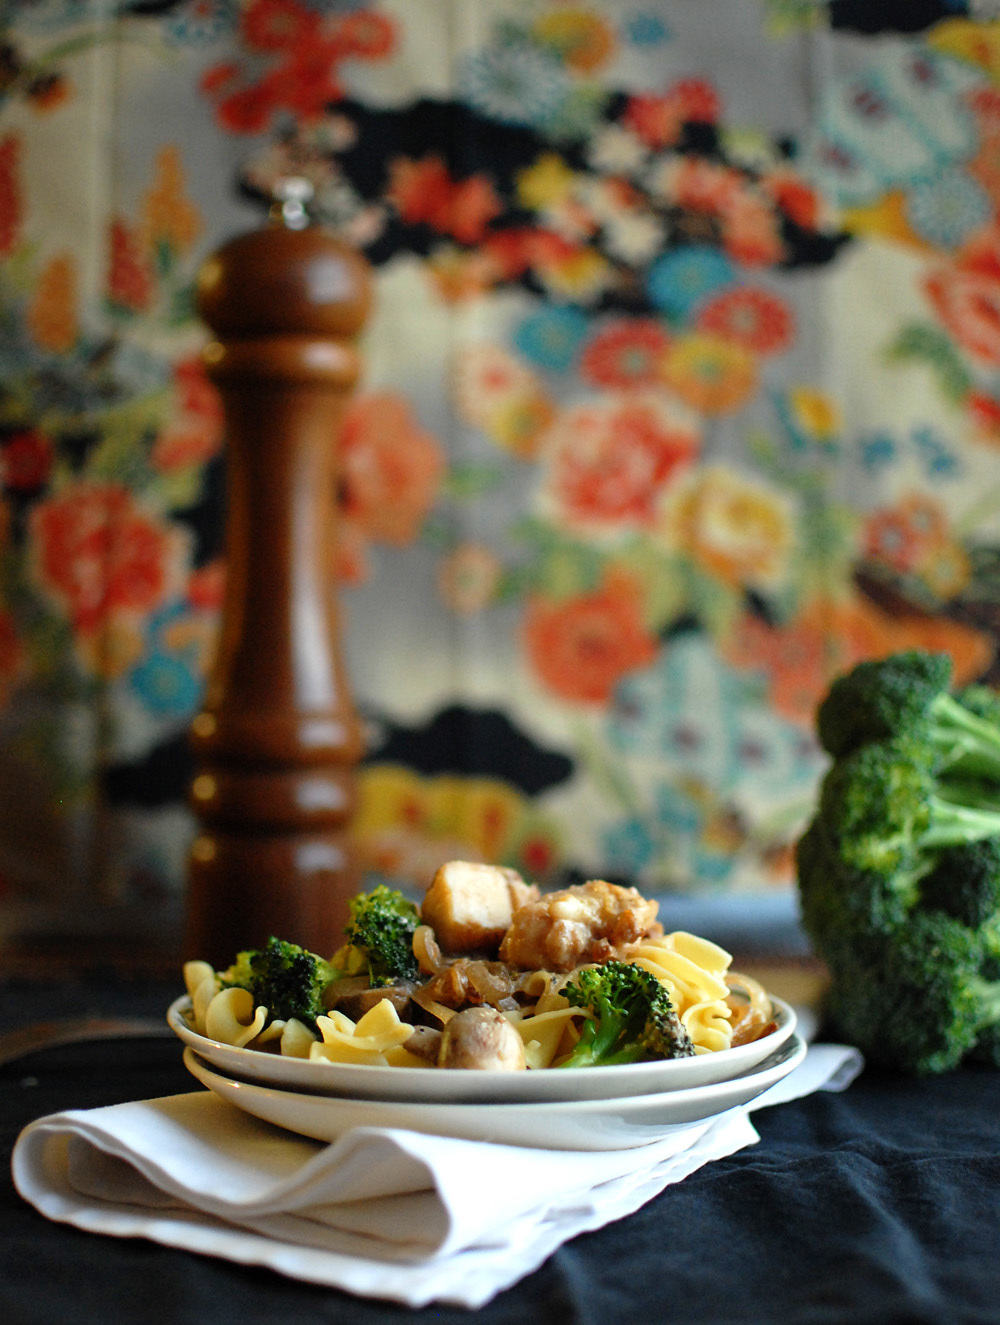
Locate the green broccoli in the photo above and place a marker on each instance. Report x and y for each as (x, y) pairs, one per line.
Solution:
(286, 979)
(908, 694)
(965, 882)
(884, 802)
(379, 937)
(899, 869)
(918, 1001)
(631, 1017)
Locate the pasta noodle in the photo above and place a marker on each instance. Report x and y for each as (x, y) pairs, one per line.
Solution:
(718, 1007)
(693, 971)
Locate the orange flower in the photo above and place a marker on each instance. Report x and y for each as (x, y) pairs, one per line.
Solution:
(274, 25)
(52, 314)
(168, 217)
(581, 647)
(468, 578)
(391, 468)
(584, 40)
(10, 193)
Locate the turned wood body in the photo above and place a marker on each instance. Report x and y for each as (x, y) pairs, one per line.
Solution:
(277, 738)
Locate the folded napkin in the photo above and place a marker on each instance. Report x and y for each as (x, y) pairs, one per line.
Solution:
(382, 1212)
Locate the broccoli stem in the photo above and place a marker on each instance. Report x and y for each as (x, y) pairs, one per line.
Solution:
(966, 742)
(987, 995)
(952, 823)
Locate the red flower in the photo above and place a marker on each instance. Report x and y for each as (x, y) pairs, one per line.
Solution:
(656, 120)
(609, 463)
(130, 281)
(581, 647)
(627, 353)
(366, 35)
(424, 193)
(97, 551)
(753, 318)
(966, 296)
(307, 80)
(11, 655)
(248, 110)
(27, 461)
(275, 25)
(10, 193)
(206, 586)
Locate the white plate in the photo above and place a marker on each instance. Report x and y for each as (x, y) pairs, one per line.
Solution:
(611, 1124)
(431, 1084)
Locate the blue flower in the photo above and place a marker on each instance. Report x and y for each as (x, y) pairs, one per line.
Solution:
(166, 685)
(646, 28)
(682, 279)
(628, 847)
(514, 83)
(552, 336)
(948, 207)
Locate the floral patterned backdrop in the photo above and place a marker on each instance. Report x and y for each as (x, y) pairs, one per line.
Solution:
(682, 393)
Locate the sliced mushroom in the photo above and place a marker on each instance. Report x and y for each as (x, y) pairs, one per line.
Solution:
(481, 1040)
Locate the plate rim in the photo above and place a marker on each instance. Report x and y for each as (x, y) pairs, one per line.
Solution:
(431, 1083)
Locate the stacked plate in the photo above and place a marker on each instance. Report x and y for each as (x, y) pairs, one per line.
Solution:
(597, 1108)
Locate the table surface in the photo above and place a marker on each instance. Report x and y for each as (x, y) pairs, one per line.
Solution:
(881, 1204)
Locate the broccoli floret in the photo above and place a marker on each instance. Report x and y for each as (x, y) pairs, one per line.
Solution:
(286, 979)
(631, 1017)
(965, 882)
(918, 1001)
(884, 803)
(908, 694)
(380, 937)
(899, 870)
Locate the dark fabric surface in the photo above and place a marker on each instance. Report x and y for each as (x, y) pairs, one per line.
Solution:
(878, 1205)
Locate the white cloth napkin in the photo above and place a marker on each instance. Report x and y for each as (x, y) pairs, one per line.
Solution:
(380, 1213)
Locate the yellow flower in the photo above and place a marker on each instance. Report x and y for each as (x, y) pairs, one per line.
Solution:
(52, 315)
(468, 577)
(945, 569)
(711, 374)
(517, 424)
(580, 274)
(977, 42)
(478, 811)
(545, 183)
(815, 412)
(114, 649)
(168, 217)
(737, 529)
(390, 796)
(584, 40)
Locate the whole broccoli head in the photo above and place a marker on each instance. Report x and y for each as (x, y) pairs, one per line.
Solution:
(380, 937)
(286, 979)
(907, 694)
(631, 1017)
(899, 869)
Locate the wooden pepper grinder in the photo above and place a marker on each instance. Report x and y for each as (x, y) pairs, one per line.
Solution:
(277, 738)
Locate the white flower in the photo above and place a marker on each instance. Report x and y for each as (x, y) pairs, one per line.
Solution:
(616, 151)
(634, 237)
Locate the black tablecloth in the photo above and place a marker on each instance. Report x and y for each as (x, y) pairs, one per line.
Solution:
(878, 1205)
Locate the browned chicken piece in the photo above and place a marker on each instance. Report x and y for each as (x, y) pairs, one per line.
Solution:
(470, 906)
(589, 922)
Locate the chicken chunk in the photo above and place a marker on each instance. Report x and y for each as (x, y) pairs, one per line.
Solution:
(470, 906)
(588, 922)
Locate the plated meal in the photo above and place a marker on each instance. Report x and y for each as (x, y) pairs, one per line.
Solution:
(488, 989)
